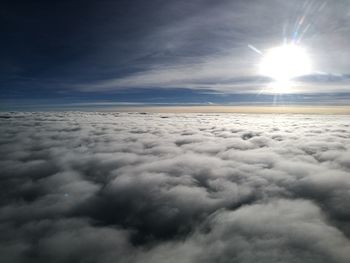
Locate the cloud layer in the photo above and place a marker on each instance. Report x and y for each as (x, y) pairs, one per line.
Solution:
(213, 47)
(119, 187)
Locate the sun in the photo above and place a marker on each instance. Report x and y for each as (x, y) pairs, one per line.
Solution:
(285, 63)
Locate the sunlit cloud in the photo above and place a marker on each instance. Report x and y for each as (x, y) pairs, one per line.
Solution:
(171, 187)
(197, 45)
(247, 50)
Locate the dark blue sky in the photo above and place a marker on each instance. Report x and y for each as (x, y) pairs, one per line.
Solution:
(73, 52)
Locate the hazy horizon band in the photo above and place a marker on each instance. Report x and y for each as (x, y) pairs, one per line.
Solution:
(344, 110)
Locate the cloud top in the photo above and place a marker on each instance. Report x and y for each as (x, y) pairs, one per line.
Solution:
(129, 187)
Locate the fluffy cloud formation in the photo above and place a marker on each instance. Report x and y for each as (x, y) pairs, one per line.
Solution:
(128, 187)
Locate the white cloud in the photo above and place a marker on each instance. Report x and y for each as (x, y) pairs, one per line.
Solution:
(186, 188)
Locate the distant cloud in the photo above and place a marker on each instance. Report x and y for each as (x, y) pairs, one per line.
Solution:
(217, 73)
(212, 49)
(174, 188)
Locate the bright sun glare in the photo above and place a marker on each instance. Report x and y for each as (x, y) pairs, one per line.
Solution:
(283, 64)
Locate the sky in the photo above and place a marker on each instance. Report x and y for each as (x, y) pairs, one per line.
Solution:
(61, 53)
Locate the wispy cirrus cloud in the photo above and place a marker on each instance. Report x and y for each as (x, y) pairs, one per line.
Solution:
(210, 49)
(134, 46)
